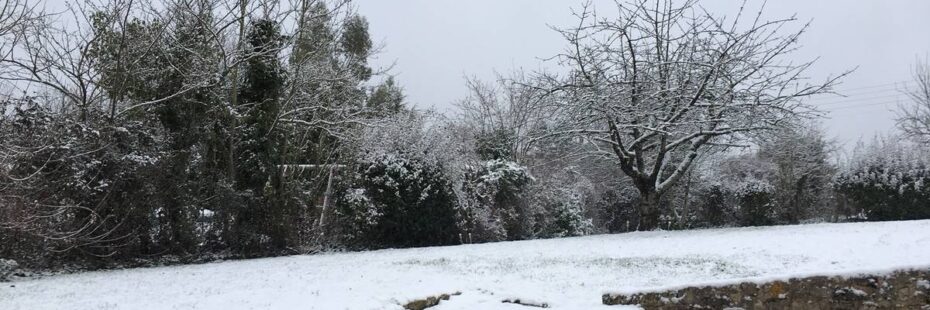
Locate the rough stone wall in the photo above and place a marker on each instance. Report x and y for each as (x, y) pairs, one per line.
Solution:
(899, 290)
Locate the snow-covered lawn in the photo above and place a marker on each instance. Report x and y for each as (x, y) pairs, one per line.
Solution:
(570, 273)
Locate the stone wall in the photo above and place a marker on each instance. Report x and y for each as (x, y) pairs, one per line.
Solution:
(899, 290)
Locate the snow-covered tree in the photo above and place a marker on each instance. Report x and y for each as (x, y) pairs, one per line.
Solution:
(564, 201)
(662, 81)
(745, 181)
(568, 218)
(386, 99)
(399, 200)
(71, 187)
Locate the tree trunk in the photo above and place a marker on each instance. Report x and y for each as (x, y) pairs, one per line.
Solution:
(648, 209)
(797, 207)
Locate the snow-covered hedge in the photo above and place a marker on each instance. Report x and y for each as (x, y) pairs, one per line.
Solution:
(887, 180)
(736, 191)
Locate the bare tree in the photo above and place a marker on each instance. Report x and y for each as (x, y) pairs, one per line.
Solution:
(802, 170)
(914, 119)
(506, 109)
(662, 81)
(51, 54)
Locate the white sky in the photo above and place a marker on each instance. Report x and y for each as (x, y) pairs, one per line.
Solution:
(435, 43)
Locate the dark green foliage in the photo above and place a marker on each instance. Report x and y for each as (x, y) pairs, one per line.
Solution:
(145, 60)
(886, 180)
(400, 202)
(131, 60)
(356, 44)
(495, 144)
(568, 219)
(83, 192)
(755, 204)
(314, 42)
(259, 103)
(265, 224)
(713, 208)
(386, 99)
(887, 192)
(562, 198)
(618, 212)
(177, 148)
(800, 158)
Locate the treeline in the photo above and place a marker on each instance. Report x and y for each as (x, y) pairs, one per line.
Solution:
(198, 129)
(138, 130)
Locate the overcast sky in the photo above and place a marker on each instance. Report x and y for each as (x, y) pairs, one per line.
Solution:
(435, 43)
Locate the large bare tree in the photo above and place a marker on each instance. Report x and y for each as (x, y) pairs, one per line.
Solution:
(661, 81)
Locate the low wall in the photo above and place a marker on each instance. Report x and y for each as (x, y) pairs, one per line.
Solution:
(899, 290)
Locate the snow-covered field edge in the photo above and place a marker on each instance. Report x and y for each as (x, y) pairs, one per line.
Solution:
(568, 273)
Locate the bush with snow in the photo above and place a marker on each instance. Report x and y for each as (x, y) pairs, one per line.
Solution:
(563, 199)
(887, 180)
(755, 203)
(76, 186)
(568, 217)
(737, 191)
(398, 201)
(497, 196)
(403, 189)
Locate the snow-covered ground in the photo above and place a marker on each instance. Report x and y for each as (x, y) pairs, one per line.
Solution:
(569, 273)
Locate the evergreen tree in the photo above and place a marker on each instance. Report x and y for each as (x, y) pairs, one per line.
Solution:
(386, 99)
(315, 36)
(263, 224)
(192, 57)
(356, 45)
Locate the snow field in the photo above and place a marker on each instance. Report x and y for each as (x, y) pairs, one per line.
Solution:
(569, 273)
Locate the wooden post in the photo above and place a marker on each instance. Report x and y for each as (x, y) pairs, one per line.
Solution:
(326, 198)
(327, 195)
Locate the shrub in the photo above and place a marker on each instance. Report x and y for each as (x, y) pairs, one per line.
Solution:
(396, 201)
(755, 204)
(497, 191)
(886, 181)
(887, 192)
